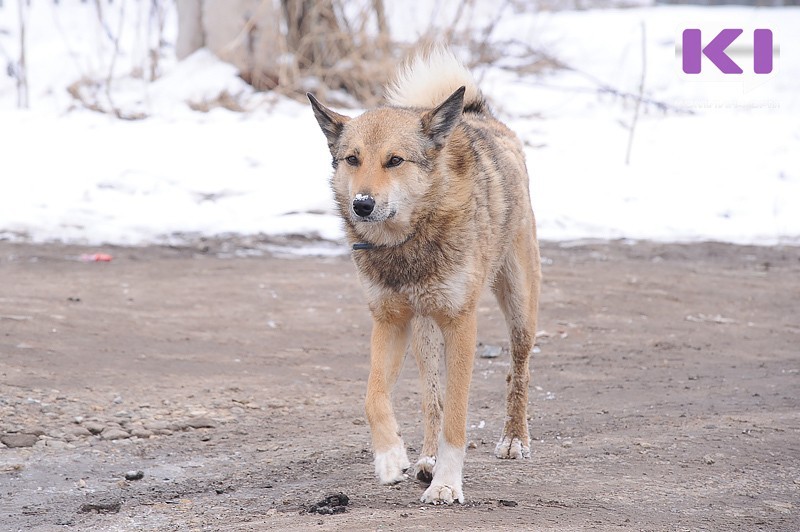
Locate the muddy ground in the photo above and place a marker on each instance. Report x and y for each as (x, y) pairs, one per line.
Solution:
(666, 394)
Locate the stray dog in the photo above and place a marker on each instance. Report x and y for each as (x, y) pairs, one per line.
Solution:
(433, 193)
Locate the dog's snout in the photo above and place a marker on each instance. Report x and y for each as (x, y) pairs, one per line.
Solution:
(363, 205)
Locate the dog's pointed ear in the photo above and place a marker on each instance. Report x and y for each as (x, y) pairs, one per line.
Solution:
(331, 123)
(440, 122)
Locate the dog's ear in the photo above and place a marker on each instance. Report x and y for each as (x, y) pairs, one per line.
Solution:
(440, 122)
(329, 121)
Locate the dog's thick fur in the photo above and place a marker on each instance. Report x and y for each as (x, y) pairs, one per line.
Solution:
(451, 213)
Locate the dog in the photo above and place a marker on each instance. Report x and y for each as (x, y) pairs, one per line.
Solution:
(433, 192)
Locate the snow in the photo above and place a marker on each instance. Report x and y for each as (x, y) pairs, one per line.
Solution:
(729, 171)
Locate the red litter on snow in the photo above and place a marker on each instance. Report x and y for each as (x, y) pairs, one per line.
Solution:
(97, 257)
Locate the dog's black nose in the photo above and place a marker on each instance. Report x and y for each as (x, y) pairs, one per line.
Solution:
(363, 205)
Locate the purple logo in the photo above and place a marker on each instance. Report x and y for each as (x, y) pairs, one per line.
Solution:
(693, 51)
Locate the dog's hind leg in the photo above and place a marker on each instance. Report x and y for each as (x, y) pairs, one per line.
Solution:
(389, 342)
(426, 345)
(516, 287)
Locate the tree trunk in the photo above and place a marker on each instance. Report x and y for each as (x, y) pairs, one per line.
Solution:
(244, 33)
(191, 36)
(314, 33)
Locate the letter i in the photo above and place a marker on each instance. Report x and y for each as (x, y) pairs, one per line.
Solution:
(762, 51)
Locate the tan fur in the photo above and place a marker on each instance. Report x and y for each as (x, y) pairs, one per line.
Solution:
(451, 217)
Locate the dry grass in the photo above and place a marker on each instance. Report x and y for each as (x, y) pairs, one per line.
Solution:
(347, 60)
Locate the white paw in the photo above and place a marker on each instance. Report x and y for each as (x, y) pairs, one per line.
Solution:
(446, 485)
(423, 469)
(390, 466)
(442, 494)
(512, 448)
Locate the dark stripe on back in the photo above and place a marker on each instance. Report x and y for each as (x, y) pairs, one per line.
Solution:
(477, 106)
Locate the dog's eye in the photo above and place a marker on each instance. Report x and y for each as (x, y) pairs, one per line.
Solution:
(394, 161)
(352, 160)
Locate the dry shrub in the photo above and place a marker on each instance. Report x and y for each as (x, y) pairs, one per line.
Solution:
(348, 58)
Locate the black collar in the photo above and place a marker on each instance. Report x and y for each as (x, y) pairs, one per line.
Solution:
(369, 245)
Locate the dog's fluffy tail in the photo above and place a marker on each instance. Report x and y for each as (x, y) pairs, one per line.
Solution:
(429, 78)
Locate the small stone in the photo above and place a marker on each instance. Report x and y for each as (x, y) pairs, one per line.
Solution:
(134, 475)
(58, 445)
(19, 440)
(503, 502)
(156, 425)
(489, 351)
(472, 445)
(80, 431)
(139, 432)
(201, 423)
(114, 434)
(117, 400)
(708, 459)
(94, 427)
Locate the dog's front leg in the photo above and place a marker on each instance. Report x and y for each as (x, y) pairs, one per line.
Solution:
(425, 345)
(459, 343)
(389, 339)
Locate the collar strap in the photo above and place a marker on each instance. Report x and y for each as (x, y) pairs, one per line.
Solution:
(369, 245)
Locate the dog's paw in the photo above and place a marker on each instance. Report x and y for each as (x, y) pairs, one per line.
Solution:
(423, 469)
(512, 448)
(442, 494)
(391, 465)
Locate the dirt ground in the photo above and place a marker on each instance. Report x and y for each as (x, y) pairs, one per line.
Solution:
(666, 394)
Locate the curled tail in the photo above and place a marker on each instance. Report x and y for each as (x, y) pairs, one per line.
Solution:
(429, 78)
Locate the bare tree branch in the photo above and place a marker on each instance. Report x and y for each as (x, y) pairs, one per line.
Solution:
(115, 55)
(639, 99)
(22, 68)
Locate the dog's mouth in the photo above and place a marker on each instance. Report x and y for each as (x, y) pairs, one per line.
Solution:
(376, 217)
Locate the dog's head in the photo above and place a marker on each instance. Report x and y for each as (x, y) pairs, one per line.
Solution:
(383, 161)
